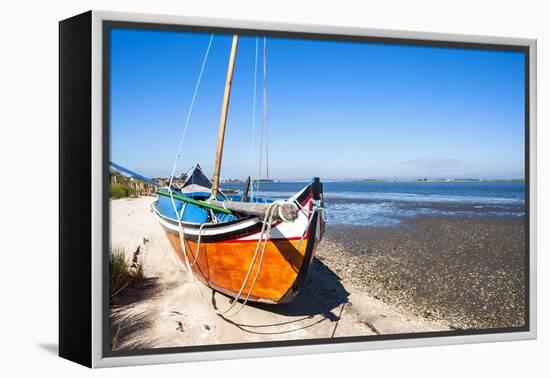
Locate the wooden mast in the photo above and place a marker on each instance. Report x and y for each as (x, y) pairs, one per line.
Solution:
(223, 120)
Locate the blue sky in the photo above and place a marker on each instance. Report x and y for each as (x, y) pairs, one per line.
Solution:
(335, 109)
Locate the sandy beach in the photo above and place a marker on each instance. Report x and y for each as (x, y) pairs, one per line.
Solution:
(167, 310)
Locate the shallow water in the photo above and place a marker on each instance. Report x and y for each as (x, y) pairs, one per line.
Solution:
(391, 203)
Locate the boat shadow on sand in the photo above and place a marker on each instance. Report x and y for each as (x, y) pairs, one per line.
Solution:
(319, 302)
(322, 298)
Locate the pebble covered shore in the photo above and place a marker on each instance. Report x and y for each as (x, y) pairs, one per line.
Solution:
(467, 272)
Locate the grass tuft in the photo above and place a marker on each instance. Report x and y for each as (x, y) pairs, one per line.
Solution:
(117, 191)
(114, 339)
(119, 270)
(122, 273)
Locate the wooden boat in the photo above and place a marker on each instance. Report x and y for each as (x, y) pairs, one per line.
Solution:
(224, 251)
(247, 247)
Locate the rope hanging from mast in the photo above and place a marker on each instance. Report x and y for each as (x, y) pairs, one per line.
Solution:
(197, 85)
(265, 111)
(253, 144)
(264, 132)
(275, 209)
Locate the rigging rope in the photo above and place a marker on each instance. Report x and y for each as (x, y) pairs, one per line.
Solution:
(253, 144)
(190, 109)
(198, 250)
(264, 118)
(265, 111)
(265, 235)
(273, 210)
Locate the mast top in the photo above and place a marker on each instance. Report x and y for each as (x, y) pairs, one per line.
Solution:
(223, 118)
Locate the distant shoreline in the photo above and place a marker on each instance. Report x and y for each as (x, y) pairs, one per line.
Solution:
(383, 180)
(442, 180)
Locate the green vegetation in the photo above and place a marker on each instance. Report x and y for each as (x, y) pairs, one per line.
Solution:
(121, 186)
(122, 273)
(126, 187)
(119, 271)
(117, 191)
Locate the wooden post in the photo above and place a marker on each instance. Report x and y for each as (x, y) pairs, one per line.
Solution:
(223, 120)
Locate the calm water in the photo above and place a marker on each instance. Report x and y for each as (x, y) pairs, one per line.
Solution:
(390, 203)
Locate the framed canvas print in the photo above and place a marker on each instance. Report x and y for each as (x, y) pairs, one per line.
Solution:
(232, 189)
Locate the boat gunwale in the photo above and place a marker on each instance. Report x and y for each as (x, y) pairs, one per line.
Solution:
(302, 197)
(228, 236)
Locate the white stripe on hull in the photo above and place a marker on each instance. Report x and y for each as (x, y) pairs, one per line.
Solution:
(281, 230)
